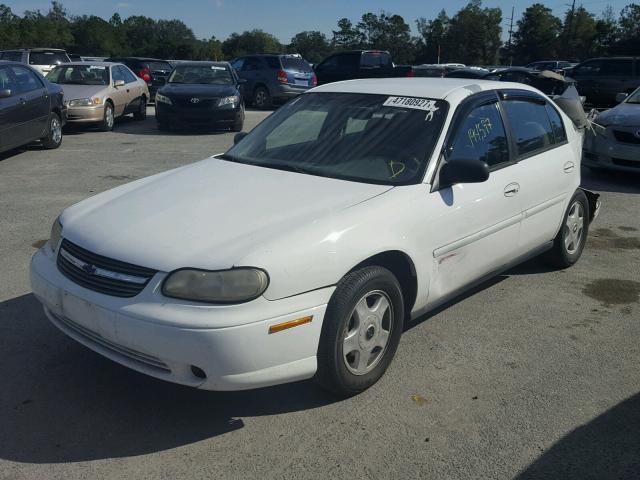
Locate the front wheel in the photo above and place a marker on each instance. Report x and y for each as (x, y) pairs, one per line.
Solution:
(108, 118)
(54, 134)
(361, 331)
(570, 240)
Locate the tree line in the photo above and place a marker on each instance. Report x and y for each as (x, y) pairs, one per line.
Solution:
(472, 36)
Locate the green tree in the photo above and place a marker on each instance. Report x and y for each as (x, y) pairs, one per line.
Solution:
(347, 37)
(312, 45)
(606, 32)
(579, 34)
(254, 41)
(432, 33)
(629, 41)
(473, 36)
(537, 35)
(387, 32)
(94, 36)
(9, 28)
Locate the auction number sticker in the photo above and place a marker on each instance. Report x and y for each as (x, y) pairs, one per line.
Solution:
(428, 106)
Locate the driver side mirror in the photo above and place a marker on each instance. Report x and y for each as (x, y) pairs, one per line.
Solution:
(118, 83)
(5, 93)
(239, 136)
(620, 97)
(463, 171)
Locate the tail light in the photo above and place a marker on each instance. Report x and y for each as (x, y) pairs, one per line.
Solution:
(314, 81)
(411, 73)
(145, 74)
(282, 77)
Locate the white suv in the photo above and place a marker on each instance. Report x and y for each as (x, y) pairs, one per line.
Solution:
(304, 249)
(42, 59)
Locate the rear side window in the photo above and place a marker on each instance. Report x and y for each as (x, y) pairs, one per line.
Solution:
(588, 68)
(295, 63)
(47, 58)
(481, 136)
(559, 133)
(11, 56)
(616, 68)
(530, 125)
(128, 76)
(273, 62)
(251, 63)
(375, 59)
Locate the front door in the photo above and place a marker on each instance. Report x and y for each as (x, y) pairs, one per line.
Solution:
(475, 227)
(34, 103)
(10, 115)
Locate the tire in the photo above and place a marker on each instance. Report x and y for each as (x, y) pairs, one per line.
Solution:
(348, 373)
(262, 99)
(108, 118)
(53, 139)
(239, 123)
(141, 113)
(570, 240)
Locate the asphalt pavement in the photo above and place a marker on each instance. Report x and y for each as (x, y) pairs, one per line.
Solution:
(534, 374)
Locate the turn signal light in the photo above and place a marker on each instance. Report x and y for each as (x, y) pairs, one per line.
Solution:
(290, 324)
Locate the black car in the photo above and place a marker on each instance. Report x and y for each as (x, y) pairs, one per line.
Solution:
(601, 79)
(355, 64)
(555, 85)
(201, 93)
(31, 108)
(152, 70)
(274, 78)
(467, 73)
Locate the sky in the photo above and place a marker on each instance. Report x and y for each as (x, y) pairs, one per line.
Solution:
(285, 18)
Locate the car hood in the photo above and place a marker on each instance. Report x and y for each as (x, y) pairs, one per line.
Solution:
(74, 92)
(183, 90)
(209, 214)
(624, 115)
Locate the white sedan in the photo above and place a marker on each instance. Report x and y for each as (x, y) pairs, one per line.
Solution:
(304, 250)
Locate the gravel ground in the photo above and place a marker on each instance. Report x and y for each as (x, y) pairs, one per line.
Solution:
(532, 375)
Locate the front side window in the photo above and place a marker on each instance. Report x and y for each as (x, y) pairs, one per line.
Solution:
(616, 68)
(79, 75)
(202, 74)
(530, 125)
(367, 138)
(237, 64)
(116, 73)
(481, 136)
(6, 82)
(25, 80)
(634, 97)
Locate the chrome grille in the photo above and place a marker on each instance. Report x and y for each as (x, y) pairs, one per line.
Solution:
(101, 274)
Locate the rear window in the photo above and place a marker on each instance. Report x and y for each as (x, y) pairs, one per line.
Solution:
(47, 58)
(162, 66)
(375, 59)
(295, 63)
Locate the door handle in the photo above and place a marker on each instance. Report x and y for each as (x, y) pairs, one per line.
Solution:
(568, 167)
(511, 189)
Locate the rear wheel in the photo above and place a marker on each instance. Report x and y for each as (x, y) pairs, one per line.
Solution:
(108, 118)
(261, 98)
(570, 240)
(361, 331)
(53, 139)
(141, 113)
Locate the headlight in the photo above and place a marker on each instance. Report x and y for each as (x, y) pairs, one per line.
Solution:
(222, 286)
(229, 101)
(56, 235)
(162, 99)
(85, 102)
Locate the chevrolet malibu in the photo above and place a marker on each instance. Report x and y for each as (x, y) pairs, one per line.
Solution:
(304, 250)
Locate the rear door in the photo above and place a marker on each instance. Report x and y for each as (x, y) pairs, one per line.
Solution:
(133, 89)
(252, 71)
(34, 103)
(586, 75)
(547, 166)
(475, 226)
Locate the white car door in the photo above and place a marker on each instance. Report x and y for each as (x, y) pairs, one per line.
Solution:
(548, 169)
(474, 227)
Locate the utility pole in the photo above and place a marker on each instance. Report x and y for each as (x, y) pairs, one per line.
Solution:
(510, 33)
(569, 35)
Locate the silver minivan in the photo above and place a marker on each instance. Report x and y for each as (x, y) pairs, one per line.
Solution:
(42, 59)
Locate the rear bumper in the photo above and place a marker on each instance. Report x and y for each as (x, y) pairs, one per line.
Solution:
(163, 339)
(284, 93)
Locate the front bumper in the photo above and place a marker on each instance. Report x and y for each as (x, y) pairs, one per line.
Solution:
(166, 339)
(603, 150)
(85, 114)
(171, 114)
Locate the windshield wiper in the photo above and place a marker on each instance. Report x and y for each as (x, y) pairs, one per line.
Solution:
(287, 167)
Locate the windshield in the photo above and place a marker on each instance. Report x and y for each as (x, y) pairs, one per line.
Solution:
(79, 75)
(361, 137)
(202, 74)
(159, 66)
(634, 97)
(47, 58)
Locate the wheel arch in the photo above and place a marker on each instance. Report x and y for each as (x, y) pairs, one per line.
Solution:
(402, 267)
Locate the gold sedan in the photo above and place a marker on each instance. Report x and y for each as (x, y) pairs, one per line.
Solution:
(99, 92)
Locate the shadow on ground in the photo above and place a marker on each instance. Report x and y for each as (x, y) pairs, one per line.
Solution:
(60, 402)
(608, 447)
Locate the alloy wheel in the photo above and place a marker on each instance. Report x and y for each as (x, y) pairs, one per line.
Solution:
(573, 228)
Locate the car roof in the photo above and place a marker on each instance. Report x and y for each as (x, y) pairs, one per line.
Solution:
(40, 49)
(202, 63)
(97, 64)
(454, 89)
